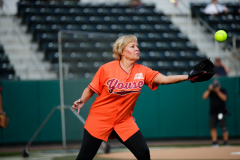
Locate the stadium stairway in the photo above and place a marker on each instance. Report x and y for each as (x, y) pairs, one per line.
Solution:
(28, 64)
(196, 33)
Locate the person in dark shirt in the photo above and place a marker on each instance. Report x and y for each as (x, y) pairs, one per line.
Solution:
(221, 69)
(1, 107)
(218, 97)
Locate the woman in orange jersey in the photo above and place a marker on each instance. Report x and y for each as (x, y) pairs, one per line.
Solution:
(118, 85)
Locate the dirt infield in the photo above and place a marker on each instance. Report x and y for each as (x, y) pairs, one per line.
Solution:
(183, 153)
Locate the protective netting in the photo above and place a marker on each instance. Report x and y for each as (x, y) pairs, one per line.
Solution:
(80, 56)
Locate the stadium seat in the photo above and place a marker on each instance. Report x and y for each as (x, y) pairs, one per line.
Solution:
(103, 11)
(146, 28)
(131, 28)
(37, 28)
(6, 68)
(39, 4)
(60, 11)
(27, 11)
(124, 19)
(79, 20)
(33, 19)
(212, 19)
(153, 55)
(150, 64)
(74, 12)
(4, 59)
(162, 45)
(79, 66)
(51, 20)
(49, 46)
(93, 56)
(237, 18)
(66, 19)
(102, 28)
(144, 11)
(7, 71)
(116, 28)
(45, 11)
(165, 27)
(180, 65)
(158, 19)
(95, 19)
(163, 65)
(40, 37)
(147, 46)
(110, 19)
(170, 55)
(117, 11)
(107, 56)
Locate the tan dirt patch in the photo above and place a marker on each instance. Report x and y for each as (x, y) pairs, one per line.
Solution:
(182, 153)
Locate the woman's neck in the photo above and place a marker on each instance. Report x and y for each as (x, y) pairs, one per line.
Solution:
(126, 65)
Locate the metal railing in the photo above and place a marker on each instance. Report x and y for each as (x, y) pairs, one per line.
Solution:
(234, 42)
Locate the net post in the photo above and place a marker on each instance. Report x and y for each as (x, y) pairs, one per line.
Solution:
(61, 88)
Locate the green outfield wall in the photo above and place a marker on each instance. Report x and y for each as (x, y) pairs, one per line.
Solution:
(171, 111)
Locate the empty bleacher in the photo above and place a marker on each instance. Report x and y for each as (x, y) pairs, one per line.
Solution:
(163, 47)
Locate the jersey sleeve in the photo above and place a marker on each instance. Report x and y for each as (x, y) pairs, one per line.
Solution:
(98, 81)
(150, 75)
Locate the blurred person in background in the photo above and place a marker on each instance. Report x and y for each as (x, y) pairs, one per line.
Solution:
(1, 107)
(221, 69)
(4, 120)
(218, 111)
(136, 4)
(215, 9)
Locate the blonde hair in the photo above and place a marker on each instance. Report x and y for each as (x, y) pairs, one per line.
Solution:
(121, 43)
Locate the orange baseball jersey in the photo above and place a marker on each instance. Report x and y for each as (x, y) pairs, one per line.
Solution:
(117, 94)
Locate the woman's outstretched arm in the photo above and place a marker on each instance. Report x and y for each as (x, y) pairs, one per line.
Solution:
(162, 79)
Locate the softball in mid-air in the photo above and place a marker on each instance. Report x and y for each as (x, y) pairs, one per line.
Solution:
(220, 36)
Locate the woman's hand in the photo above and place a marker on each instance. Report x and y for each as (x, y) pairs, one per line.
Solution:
(86, 95)
(78, 104)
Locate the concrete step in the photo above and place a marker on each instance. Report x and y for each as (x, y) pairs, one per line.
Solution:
(13, 48)
(29, 69)
(21, 37)
(11, 6)
(24, 56)
(37, 76)
(6, 20)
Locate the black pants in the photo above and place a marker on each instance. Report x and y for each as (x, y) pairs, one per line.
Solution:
(136, 144)
(213, 121)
